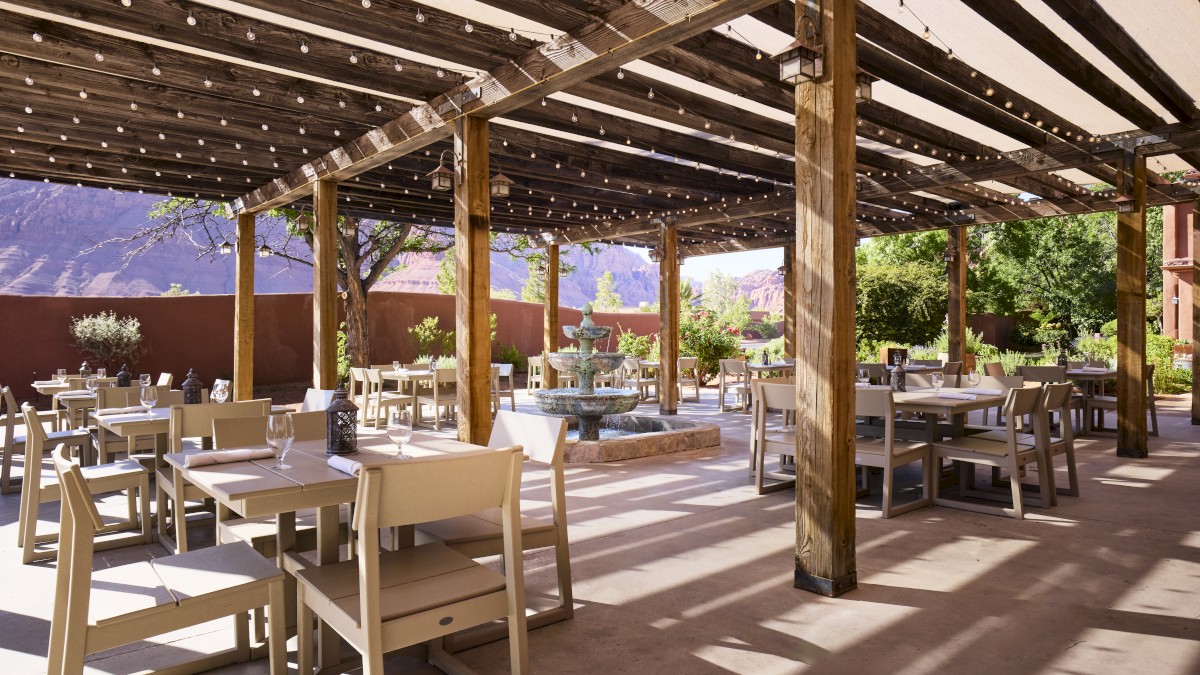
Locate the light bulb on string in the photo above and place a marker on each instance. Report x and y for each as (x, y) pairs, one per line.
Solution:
(37, 37)
(420, 17)
(512, 35)
(156, 71)
(250, 35)
(468, 27)
(926, 33)
(353, 57)
(303, 46)
(191, 20)
(650, 94)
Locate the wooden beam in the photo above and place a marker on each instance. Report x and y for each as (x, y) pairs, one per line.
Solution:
(668, 319)
(789, 300)
(626, 33)
(825, 237)
(956, 295)
(1131, 313)
(1196, 312)
(325, 311)
(473, 274)
(243, 311)
(550, 328)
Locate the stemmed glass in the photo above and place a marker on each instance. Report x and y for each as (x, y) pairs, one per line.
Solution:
(973, 378)
(92, 384)
(399, 430)
(101, 373)
(937, 379)
(220, 392)
(280, 435)
(61, 375)
(395, 366)
(144, 379)
(864, 378)
(149, 397)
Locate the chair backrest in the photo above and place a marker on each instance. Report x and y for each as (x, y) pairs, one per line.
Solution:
(535, 362)
(952, 367)
(880, 403)
(1057, 396)
(170, 397)
(445, 380)
(35, 447)
(9, 412)
(118, 397)
(918, 380)
(310, 426)
(77, 531)
(733, 366)
(1042, 373)
(1150, 383)
(776, 396)
(543, 437)
(876, 371)
(196, 420)
(688, 362)
(1075, 365)
(994, 369)
(165, 380)
(506, 369)
(316, 399)
(1020, 402)
(928, 362)
(239, 432)
(1004, 383)
(74, 383)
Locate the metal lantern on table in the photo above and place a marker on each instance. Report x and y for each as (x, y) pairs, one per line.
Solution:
(124, 377)
(341, 424)
(896, 379)
(191, 387)
(85, 370)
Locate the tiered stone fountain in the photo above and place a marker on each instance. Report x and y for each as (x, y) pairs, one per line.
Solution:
(586, 403)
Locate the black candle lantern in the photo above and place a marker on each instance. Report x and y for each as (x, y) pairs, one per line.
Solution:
(342, 424)
(896, 380)
(124, 378)
(191, 387)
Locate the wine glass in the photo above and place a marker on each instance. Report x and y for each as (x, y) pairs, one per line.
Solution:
(92, 383)
(144, 379)
(280, 435)
(973, 378)
(102, 373)
(399, 430)
(395, 366)
(149, 397)
(864, 378)
(220, 392)
(936, 379)
(61, 375)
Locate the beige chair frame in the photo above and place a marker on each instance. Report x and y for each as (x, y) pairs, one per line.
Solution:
(735, 370)
(885, 453)
(502, 389)
(772, 396)
(14, 443)
(686, 365)
(1096, 406)
(371, 601)
(443, 394)
(535, 378)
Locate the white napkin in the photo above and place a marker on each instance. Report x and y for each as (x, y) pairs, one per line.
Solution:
(75, 392)
(344, 464)
(37, 382)
(122, 411)
(226, 456)
(956, 394)
(984, 391)
(1093, 369)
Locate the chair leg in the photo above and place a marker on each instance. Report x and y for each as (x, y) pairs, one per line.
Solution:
(277, 645)
(1014, 483)
(887, 490)
(304, 633)
(1153, 418)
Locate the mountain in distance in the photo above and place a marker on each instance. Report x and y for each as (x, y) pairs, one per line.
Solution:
(44, 227)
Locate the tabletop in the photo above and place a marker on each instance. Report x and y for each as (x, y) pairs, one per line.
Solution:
(926, 400)
(770, 366)
(1106, 374)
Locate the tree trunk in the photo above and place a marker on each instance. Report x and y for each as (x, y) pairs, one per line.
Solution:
(358, 346)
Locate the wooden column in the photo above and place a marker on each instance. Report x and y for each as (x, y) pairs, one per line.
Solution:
(1196, 312)
(789, 301)
(472, 257)
(325, 312)
(1131, 312)
(243, 311)
(551, 328)
(956, 293)
(825, 236)
(668, 320)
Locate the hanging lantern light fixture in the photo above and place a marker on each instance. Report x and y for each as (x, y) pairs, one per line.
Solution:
(442, 179)
(226, 248)
(501, 185)
(303, 223)
(800, 63)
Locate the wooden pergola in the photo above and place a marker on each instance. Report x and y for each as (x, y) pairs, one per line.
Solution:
(652, 123)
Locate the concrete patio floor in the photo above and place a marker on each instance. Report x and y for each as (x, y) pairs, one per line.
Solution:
(680, 568)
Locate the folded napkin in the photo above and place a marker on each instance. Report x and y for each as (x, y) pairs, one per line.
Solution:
(983, 391)
(226, 456)
(37, 382)
(75, 392)
(1093, 369)
(122, 411)
(345, 465)
(956, 394)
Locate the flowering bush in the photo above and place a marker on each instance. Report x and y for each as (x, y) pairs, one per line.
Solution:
(109, 341)
(701, 337)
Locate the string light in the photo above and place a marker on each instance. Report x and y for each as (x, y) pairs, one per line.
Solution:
(156, 71)
(420, 17)
(512, 35)
(398, 66)
(468, 27)
(37, 37)
(250, 34)
(191, 20)
(99, 55)
(353, 57)
(303, 46)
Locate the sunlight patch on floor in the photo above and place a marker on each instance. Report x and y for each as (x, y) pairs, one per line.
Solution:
(844, 622)
(1140, 472)
(1097, 650)
(745, 660)
(617, 487)
(1163, 590)
(964, 564)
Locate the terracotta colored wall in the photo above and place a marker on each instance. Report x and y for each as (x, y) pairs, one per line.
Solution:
(197, 332)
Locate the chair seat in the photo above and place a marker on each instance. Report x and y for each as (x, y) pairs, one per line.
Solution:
(876, 446)
(1109, 402)
(483, 526)
(226, 568)
(975, 444)
(411, 580)
(997, 434)
(118, 593)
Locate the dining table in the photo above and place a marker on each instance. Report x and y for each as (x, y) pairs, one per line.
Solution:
(258, 488)
(1093, 378)
(763, 369)
(130, 425)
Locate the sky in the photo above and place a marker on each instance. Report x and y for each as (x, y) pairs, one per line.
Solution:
(732, 264)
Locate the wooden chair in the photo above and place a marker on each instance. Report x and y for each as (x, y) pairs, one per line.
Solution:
(1058, 397)
(1007, 454)
(689, 375)
(878, 372)
(191, 421)
(165, 380)
(994, 369)
(779, 440)
(310, 425)
(443, 394)
(953, 373)
(1042, 374)
(239, 432)
(107, 443)
(502, 386)
(41, 486)
(381, 602)
(14, 438)
(535, 380)
(1003, 384)
(936, 363)
(382, 401)
(358, 390)
(1094, 407)
(888, 454)
(114, 606)
(316, 399)
(480, 534)
(733, 377)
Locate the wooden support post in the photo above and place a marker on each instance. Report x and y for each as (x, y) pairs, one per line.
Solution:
(325, 258)
(551, 329)
(243, 311)
(472, 301)
(1196, 312)
(1131, 312)
(668, 319)
(789, 301)
(956, 293)
(825, 237)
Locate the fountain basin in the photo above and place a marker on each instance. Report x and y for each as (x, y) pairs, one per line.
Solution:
(587, 332)
(568, 401)
(646, 436)
(603, 362)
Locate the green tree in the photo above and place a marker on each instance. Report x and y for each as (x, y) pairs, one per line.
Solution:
(724, 301)
(503, 294)
(900, 303)
(447, 273)
(607, 299)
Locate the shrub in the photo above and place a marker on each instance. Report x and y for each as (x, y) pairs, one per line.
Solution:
(510, 354)
(766, 329)
(428, 336)
(343, 355)
(774, 350)
(109, 341)
(904, 303)
(634, 345)
(702, 338)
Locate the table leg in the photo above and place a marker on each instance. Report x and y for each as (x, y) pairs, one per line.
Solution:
(329, 645)
(285, 542)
